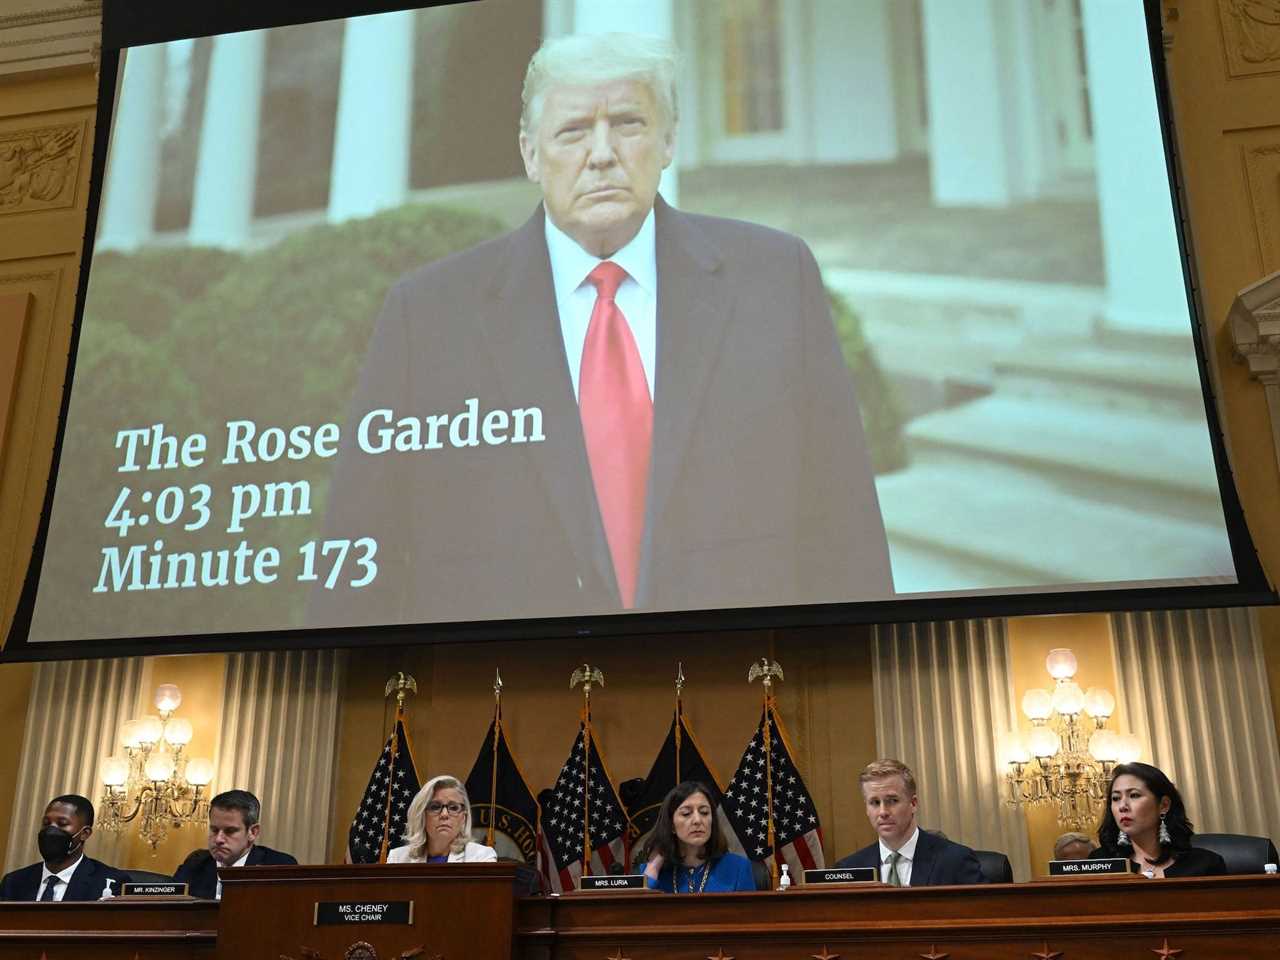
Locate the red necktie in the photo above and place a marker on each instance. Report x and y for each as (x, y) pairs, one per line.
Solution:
(617, 424)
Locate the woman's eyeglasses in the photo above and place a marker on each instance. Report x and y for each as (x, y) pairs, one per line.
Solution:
(435, 806)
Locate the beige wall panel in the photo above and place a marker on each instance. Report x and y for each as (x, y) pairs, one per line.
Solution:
(1250, 37)
(1224, 73)
(15, 309)
(826, 706)
(46, 124)
(33, 420)
(1261, 152)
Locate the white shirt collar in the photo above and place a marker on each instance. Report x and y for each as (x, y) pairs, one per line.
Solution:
(63, 875)
(907, 851)
(570, 264)
(243, 857)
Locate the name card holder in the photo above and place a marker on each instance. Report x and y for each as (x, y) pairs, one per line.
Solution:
(1110, 867)
(160, 889)
(842, 876)
(334, 912)
(626, 881)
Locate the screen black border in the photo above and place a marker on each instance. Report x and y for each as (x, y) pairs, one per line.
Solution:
(135, 22)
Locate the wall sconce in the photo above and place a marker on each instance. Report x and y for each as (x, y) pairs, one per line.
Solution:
(154, 782)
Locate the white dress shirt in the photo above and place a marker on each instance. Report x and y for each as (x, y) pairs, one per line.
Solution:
(64, 878)
(907, 853)
(217, 894)
(637, 296)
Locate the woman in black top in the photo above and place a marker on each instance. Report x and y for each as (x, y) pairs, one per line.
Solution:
(1146, 821)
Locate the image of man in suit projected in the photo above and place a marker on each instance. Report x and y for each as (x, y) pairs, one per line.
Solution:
(696, 443)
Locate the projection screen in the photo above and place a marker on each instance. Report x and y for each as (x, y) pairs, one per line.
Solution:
(900, 328)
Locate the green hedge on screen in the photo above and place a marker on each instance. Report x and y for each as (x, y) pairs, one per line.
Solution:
(282, 331)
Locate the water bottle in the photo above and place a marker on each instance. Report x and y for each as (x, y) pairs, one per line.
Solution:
(784, 882)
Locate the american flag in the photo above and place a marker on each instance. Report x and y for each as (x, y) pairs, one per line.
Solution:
(560, 834)
(797, 832)
(392, 787)
(679, 759)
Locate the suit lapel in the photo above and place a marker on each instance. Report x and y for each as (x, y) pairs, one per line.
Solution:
(522, 334)
(693, 309)
(28, 885)
(922, 866)
(82, 882)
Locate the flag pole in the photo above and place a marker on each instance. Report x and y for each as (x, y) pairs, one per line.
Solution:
(402, 685)
(493, 778)
(767, 671)
(586, 675)
(679, 714)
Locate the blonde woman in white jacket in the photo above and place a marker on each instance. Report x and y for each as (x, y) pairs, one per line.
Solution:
(439, 827)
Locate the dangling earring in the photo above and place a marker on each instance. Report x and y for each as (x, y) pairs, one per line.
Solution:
(1122, 840)
(1165, 839)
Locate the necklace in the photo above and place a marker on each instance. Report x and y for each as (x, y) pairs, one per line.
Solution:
(703, 871)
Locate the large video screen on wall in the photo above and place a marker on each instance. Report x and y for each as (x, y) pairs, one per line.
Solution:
(507, 310)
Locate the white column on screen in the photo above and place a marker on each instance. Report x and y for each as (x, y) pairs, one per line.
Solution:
(227, 165)
(557, 18)
(133, 173)
(1145, 289)
(371, 144)
(656, 17)
(853, 108)
(1033, 148)
(970, 162)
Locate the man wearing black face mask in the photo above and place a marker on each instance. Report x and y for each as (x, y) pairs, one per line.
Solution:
(66, 873)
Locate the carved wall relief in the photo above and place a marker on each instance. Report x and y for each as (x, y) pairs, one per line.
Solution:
(1251, 30)
(39, 168)
(1262, 169)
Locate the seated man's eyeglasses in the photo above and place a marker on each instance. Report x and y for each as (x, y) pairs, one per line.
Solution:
(435, 806)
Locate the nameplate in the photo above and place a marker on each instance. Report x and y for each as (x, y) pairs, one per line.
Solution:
(628, 881)
(1091, 868)
(842, 875)
(333, 912)
(154, 890)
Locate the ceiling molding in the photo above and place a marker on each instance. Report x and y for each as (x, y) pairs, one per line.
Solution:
(44, 34)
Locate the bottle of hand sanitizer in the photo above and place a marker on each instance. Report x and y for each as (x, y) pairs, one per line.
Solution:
(784, 881)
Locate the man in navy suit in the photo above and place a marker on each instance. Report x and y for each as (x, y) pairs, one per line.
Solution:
(65, 874)
(233, 842)
(905, 855)
(617, 406)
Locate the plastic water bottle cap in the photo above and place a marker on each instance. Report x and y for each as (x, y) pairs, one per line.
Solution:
(1269, 868)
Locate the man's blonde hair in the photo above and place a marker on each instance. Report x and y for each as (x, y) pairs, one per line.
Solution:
(885, 768)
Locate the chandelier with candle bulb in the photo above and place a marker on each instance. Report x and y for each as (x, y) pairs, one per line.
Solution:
(1066, 758)
(154, 782)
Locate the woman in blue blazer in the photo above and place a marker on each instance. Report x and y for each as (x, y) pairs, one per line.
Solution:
(687, 852)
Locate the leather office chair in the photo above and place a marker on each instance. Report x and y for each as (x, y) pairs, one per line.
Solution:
(1244, 854)
(147, 876)
(996, 867)
(760, 874)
